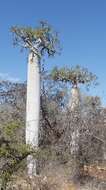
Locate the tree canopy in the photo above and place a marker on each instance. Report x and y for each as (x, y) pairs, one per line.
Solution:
(74, 75)
(40, 40)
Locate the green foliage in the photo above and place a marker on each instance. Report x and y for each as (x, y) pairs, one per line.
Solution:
(74, 75)
(13, 155)
(12, 151)
(39, 40)
(10, 129)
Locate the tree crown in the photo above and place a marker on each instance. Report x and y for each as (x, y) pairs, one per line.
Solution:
(40, 40)
(74, 75)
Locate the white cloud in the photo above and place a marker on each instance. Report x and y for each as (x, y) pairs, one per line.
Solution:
(6, 76)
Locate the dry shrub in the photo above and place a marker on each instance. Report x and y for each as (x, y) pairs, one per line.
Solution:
(56, 176)
(39, 183)
(50, 179)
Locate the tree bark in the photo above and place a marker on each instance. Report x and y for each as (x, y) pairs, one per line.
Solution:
(74, 101)
(32, 109)
(74, 105)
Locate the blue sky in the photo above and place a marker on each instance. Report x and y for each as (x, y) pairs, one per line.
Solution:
(82, 28)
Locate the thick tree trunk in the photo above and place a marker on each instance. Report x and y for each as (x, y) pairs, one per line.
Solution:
(32, 109)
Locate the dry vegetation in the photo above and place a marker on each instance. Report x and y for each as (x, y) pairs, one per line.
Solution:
(59, 167)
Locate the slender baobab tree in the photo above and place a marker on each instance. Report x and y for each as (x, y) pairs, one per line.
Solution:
(75, 77)
(39, 41)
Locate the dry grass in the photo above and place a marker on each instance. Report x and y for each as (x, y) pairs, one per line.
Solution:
(40, 183)
(96, 171)
(53, 177)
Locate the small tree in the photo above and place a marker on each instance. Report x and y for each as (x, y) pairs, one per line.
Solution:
(39, 41)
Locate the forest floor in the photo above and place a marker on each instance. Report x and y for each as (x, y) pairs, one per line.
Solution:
(92, 178)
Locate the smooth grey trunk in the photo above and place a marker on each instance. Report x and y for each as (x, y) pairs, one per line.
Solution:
(104, 151)
(74, 141)
(32, 109)
(74, 104)
(74, 101)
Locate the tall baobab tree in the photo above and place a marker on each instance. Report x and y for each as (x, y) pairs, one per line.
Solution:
(39, 41)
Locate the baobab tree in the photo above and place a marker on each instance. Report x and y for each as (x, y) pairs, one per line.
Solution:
(39, 41)
(75, 76)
